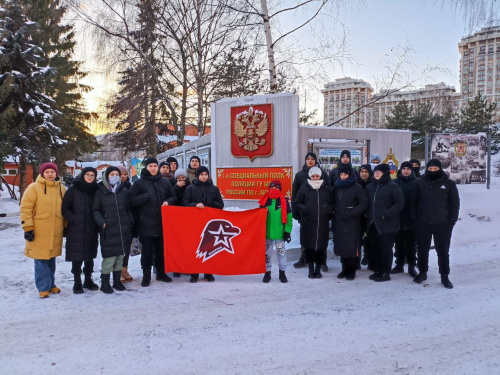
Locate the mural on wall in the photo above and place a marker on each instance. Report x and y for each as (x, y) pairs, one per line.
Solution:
(252, 131)
(462, 156)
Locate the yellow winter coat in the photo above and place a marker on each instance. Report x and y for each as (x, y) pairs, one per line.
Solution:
(41, 212)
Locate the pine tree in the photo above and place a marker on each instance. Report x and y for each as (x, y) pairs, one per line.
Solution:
(477, 117)
(29, 131)
(400, 117)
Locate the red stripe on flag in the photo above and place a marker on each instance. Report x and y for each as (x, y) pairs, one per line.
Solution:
(214, 241)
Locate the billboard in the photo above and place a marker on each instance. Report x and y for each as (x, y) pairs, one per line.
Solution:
(329, 157)
(463, 156)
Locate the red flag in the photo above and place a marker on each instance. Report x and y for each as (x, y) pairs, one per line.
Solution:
(214, 241)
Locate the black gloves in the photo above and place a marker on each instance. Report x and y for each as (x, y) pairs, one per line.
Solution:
(29, 236)
(286, 237)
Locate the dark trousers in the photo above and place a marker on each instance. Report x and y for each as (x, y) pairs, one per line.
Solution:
(405, 247)
(125, 260)
(380, 249)
(349, 264)
(88, 268)
(152, 246)
(315, 256)
(442, 236)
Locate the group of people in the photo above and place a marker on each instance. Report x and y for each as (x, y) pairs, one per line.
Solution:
(370, 210)
(364, 209)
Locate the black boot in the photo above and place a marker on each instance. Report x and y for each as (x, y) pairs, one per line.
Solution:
(89, 283)
(282, 277)
(77, 286)
(351, 275)
(267, 277)
(317, 271)
(311, 275)
(412, 271)
(398, 269)
(342, 273)
(446, 282)
(383, 276)
(350, 272)
(146, 277)
(105, 287)
(420, 278)
(176, 274)
(117, 284)
(194, 278)
(374, 275)
(301, 263)
(209, 277)
(162, 276)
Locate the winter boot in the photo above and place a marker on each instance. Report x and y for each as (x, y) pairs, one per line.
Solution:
(146, 277)
(351, 275)
(126, 275)
(283, 278)
(194, 278)
(89, 284)
(398, 269)
(77, 284)
(301, 263)
(446, 282)
(374, 275)
(342, 273)
(117, 284)
(383, 276)
(176, 274)
(162, 276)
(105, 287)
(412, 271)
(209, 277)
(420, 278)
(311, 275)
(267, 277)
(55, 290)
(317, 271)
(44, 294)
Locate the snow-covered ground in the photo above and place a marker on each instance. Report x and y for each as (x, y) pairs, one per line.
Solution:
(238, 325)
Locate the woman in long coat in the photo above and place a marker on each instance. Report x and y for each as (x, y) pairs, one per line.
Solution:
(314, 202)
(350, 202)
(43, 225)
(82, 236)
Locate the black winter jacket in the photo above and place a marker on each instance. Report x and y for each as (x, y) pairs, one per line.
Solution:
(300, 180)
(386, 202)
(350, 204)
(147, 195)
(180, 191)
(407, 185)
(113, 209)
(315, 208)
(82, 238)
(435, 202)
(335, 173)
(203, 192)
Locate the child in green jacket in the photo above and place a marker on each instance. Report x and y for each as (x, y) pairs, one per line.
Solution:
(278, 227)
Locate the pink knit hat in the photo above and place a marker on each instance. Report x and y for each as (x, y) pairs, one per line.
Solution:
(46, 166)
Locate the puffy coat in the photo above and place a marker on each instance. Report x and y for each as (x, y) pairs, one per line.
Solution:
(386, 203)
(148, 194)
(274, 223)
(335, 173)
(300, 180)
(315, 207)
(41, 212)
(113, 209)
(435, 202)
(203, 192)
(407, 185)
(351, 203)
(82, 238)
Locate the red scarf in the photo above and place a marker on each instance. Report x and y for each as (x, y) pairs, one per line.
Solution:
(275, 194)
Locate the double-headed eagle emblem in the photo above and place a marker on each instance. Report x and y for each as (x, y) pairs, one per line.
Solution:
(250, 128)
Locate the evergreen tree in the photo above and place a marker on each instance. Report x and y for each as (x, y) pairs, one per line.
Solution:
(400, 117)
(477, 117)
(27, 121)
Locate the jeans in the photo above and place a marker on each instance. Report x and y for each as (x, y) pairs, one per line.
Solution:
(280, 251)
(45, 274)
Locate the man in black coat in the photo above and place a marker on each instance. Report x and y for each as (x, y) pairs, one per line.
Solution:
(149, 194)
(345, 159)
(300, 179)
(405, 237)
(435, 206)
(386, 202)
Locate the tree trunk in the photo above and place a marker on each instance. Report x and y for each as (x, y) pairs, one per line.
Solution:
(22, 176)
(270, 48)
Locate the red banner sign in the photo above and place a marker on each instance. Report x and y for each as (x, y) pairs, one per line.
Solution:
(252, 183)
(252, 131)
(214, 241)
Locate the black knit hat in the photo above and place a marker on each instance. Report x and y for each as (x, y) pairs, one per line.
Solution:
(434, 163)
(164, 163)
(149, 160)
(171, 159)
(345, 168)
(368, 167)
(109, 170)
(313, 155)
(345, 153)
(89, 169)
(195, 157)
(415, 161)
(201, 170)
(406, 164)
(384, 168)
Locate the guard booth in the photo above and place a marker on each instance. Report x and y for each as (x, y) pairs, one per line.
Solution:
(257, 139)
